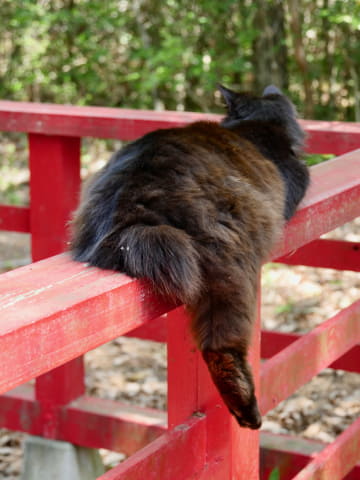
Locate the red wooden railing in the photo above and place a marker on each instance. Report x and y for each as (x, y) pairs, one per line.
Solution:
(55, 310)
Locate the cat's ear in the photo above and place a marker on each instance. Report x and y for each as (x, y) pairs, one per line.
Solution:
(228, 95)
(271, 90)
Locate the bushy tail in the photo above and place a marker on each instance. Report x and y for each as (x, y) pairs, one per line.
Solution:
(222, 327)
(163, 254)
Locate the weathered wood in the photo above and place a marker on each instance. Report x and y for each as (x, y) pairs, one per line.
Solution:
(99, 423)
(300, 361)
(177, 455)
(183, 364)
(88, 421)
(273, 342)
(15, 219)
(332, 200)
(155, 330)
(326, 253)
(54, 191)
(289, 454)
(337, 459)
(47, 324)
(98, 122)
(126, 124)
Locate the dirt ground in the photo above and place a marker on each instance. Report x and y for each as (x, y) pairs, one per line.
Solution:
(294, 299)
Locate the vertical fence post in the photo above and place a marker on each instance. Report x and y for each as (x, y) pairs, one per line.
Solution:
(245, 442)
(230, 452)
(54, 189)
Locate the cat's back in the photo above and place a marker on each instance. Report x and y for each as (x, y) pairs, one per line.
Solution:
(202, 151)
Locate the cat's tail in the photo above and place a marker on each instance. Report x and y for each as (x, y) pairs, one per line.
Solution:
(222, 327)
(161, 253)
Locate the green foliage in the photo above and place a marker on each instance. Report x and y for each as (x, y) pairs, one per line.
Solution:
(171, 54)
(275, 474)
(316, 158)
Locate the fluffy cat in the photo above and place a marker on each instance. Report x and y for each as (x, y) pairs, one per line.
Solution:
(197, 210)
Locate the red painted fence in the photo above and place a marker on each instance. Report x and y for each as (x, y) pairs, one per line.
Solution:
(55, 310)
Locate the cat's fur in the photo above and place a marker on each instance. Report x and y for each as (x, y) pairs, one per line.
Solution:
(196, 210)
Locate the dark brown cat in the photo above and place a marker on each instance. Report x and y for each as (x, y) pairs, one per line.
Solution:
(197, 210)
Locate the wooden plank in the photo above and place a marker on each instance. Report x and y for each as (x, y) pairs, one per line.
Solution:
(273, 342)
(332, 200)
(326, 253)
(289, 454)
(177, 455)
(54, 316)
(98, 122)
(299, 362)
(88, 421)
(331, 137)
(337, 459)
(245, 442)
(155, 330)
(15, 219)
(182, 359)
(99, 423)
(54, 191)
(126, 124)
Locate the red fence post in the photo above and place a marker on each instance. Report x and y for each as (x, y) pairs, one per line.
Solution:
(54, 188)
(231, 452)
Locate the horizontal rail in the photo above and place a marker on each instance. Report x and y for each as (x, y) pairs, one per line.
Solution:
(97, 122)
(331, 201)
(337, 459)
(126, 124)
(290, 454)
(326, 253)
(273, 342)
(15, 219)
(298, 363)
(88, 421)
(55, 310)
(179, 454)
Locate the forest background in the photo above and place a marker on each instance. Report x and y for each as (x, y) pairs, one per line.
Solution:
(170, 54)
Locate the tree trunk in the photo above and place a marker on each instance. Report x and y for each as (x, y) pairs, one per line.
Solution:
(270, 51)
(295, 7)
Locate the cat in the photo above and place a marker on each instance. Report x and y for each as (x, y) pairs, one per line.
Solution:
(196, 210)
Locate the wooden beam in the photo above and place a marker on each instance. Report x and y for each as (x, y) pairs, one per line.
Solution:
(326, 253)
(15, 219)
(289, 455)
(88, 421)
(298, 363)
(177, 455)
(331, 201)
(126, 124)
(337, 459)
(55, 310)
(273, 342)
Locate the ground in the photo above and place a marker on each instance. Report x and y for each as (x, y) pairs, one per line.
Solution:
(294, 299)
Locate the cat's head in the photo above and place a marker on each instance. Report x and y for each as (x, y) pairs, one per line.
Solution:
(273, 107)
